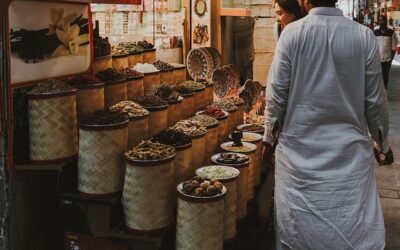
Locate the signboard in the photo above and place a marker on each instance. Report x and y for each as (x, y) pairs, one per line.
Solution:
(201, 23)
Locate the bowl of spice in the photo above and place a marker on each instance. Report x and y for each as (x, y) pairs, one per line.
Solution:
(255, 128)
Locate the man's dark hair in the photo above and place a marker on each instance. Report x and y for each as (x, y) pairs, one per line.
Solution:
(323, 3)
(291, 6)
(384, 18)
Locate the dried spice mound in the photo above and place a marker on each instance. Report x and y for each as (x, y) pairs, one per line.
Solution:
(103, 117)
(165, 91)
(110, 75)
(129, 47)
(51, 87)
(214, 112)
(172, 137)
(163, 66)
(192, 85)
(235, 100)
(130, 109)
(184, 90)
(129, 73)
(201, 188)
(252, 128)
(82, 80)
(150, 151)
(205, 120)
(145, 45)
(232, 158)
(224, 105)
(118, 51)
(150, 101)
(190, 128)
(145, 68)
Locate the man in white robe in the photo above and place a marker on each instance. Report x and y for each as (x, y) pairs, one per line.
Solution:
(325, 97)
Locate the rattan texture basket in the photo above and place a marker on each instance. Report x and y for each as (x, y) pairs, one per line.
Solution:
(52, 127)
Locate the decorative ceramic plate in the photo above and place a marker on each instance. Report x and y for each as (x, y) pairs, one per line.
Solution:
(210, 66)
(221, 82)
(199, 64)
(216, 56)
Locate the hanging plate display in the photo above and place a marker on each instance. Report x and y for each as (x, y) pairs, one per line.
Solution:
(221, 82)
(216, 56)
(200, 7)
(199, 64)
(210, 65)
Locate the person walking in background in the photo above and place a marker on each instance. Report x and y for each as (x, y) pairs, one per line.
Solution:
(287, 11)
(387, 47)
(325, 96)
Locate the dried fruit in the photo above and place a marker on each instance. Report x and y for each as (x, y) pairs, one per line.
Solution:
(51, 87)
(148, 150)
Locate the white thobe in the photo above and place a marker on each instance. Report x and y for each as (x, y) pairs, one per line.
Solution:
(325, 94)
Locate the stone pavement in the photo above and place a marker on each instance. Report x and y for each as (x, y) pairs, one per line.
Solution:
(388, 177)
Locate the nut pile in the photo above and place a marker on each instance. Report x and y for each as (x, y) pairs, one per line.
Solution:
(255, 119)
(130, 73)
(163, 66)
(172, 137)
(117, 51)
(145, 68)
(192, 85)
(82, 80)
(150, 101)
(110, 75)
(252, 128)
(150, 151)
(224, 105)
(235, 100)
(51, 87)
(104, 117)
(232, 158)
(201, 188)
(190, 128)
(214, 112)
(165, 91)
(130, 109)
(205, 120)
(130, 47)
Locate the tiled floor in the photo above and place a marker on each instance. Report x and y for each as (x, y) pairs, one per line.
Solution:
(388, 177)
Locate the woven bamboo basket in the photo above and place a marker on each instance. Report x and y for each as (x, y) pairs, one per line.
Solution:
(89, 98)
(149, 56)
(174, 111)
(199, 99)
(120, 61)
(158, 119)
(149, 80)
(148, 191)
(187, 105)
(257, 159)
(167, 76)
(198, 151)
(241, 186)
(115, 92)
(223, 131)
(209, 93)
(212, 144)
(134, 87)
(134, 59)
(200, 222)
(239, 115)
(101, 165)
(183, 163)
(251, 172)
(179, 73)
(231, 205)
(101, 63)
(53, 129)
(138, 130)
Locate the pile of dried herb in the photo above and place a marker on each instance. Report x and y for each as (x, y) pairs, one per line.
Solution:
(224, 105)
(103, 117)
(190, 128)
(129, 73)
(82, 80)
(150, 151)
(145, 45)
(172, 137)
(129, 47)
(51, 87)
(163, 66)
(184, 90)
(192, 85)
(130, 109)
(110, 75)
(205, 120)
(150, 101)
(165, 91)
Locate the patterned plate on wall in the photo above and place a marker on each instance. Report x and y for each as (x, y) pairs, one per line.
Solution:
(216, 56)
(198, 64)
(210, 66)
